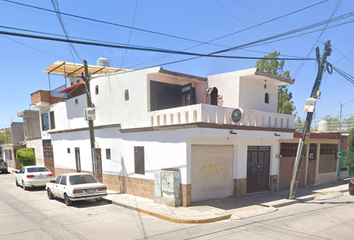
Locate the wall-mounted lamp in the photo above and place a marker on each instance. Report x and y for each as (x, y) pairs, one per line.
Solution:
(232, 132)
(276, 134)
(265, 84)
(76, 101)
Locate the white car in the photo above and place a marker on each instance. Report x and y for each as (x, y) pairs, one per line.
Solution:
(33, 176)
(75, 187)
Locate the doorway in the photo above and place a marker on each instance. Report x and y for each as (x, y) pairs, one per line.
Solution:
(258, 161)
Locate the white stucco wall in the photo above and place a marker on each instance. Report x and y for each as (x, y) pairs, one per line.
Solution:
(252, 95)
(38, 150)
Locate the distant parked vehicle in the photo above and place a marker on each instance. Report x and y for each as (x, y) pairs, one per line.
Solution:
(33, 176)
(3, 166)
(75, 187)
(351, 186)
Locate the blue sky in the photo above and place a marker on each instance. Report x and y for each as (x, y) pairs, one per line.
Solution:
(23, 60)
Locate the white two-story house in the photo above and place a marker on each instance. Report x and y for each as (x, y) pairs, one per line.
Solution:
(221, 133)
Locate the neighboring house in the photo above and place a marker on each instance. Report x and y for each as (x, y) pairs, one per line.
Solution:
(320, 164)
(221, 133)
(32, 134)
(9, 150)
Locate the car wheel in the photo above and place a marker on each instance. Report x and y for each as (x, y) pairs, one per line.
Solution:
(16, 182)
(24, 186)
(351, 190)
(67, 201)
(50, 194)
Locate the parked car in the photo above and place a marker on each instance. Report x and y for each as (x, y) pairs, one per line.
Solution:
(33, 176)
(351, 186)
(3, 166)
(75, 187)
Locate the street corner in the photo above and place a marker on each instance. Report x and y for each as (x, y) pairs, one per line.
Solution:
(252, 212)
(327, 196)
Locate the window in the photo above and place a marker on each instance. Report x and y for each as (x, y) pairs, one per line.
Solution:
(139, 160)
(108, 153)
(96, 89)
(45, 121)
(126, 95)
(52, 120)
(57, 181)
(63, 180)
(266, 98)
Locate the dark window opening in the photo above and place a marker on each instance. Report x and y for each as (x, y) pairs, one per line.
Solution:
(164, 95)
(108, 153)
(52, 120)
(45, 121)
(266, 98)
(126, 95)
(139, 160)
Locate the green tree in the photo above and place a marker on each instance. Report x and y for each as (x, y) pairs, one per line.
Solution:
(350, 152)
(270, 64)
(26, 156)
(333, 123)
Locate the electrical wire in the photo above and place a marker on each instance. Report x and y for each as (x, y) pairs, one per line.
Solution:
(137, 48)
(344, 16)
(233, 33)
(55, 4)
(130, 35)
(109, 23)
(313, 46)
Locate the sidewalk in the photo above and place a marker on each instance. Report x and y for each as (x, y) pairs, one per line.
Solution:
(215, 210)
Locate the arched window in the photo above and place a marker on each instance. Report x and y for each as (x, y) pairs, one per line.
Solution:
(126, 95)
(96, 89)
(266, 98)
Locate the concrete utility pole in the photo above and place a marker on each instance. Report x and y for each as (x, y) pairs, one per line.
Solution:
(310, 108)
(86, 79)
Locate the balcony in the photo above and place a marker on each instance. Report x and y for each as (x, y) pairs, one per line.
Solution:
(43, 98)
(219, 115)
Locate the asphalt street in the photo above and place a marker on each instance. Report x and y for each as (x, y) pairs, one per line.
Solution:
(31, 215)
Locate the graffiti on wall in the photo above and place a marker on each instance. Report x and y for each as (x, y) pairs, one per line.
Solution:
(210, 170)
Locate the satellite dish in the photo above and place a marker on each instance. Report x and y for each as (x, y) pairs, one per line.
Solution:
(237, 115)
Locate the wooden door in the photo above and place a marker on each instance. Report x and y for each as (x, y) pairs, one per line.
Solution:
(258, 160)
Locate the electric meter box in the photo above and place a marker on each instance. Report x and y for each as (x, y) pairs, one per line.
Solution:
(90, 114)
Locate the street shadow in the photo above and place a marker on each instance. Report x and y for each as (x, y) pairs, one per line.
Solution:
(262, 198)
(85, 203)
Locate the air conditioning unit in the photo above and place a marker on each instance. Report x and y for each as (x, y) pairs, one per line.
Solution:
(89, 114)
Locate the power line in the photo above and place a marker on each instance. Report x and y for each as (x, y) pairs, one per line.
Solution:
(71, 46)
(287, 33)
(303, 63)
(138, 48)
(109, 23)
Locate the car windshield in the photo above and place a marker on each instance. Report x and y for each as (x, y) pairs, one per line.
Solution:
(82, 179)
(37, 169)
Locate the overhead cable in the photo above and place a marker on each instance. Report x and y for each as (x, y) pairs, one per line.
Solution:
(110, 23)
(137, 48)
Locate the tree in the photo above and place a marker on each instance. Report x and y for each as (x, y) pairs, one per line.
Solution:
(270, 64)
(26, 156)
(350, 152)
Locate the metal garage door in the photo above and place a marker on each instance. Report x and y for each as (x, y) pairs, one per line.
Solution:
(212, 172)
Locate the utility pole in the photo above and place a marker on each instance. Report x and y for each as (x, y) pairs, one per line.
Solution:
(310, 107)
(86, 79)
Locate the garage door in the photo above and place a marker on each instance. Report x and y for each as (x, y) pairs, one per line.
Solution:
(212, 172)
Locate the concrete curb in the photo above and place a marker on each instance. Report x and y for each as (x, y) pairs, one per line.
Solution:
(172, 219)
(272, 206)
